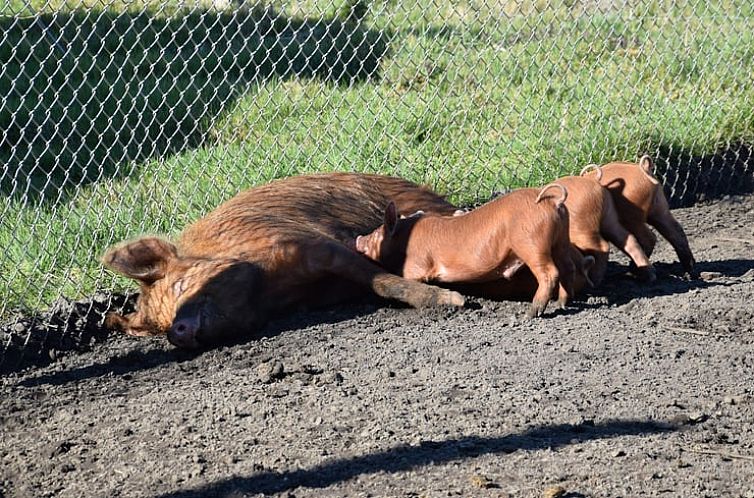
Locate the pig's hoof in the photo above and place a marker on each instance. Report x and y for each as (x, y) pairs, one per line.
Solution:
(691, 274)
(451, 298)
(646, 274)
(137, 333)
(535, 311)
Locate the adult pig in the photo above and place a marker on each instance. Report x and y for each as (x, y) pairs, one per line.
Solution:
(270, 249)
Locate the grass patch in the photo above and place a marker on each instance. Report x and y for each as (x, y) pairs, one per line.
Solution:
(150, 116)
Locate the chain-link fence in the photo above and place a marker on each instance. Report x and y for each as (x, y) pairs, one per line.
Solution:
(122, 118)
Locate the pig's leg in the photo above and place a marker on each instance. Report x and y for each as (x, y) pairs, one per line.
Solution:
(566, 274)
(660, 218)
(644, 235)
(332, 258)
(547, 276)
(614, 232)
(595, 272)
(563, 294)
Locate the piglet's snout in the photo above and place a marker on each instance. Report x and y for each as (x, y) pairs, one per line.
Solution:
(368, 245)
(183, 332)
(361, 243)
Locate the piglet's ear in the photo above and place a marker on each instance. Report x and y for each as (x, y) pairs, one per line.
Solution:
(144, 259)
(391, 218)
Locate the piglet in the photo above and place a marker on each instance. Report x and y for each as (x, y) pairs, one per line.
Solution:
(640, 200)
(594, 223)
(527, 227)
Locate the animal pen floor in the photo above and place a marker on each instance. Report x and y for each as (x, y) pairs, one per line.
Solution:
(632, 391)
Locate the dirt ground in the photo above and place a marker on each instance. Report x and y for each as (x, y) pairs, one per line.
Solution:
(632, 391)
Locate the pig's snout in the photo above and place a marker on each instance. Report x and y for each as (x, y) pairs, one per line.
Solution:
(369, 245)
(363, 245)
(183, 332)
(360, 243)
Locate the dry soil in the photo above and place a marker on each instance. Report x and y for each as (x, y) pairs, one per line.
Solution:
(635, 390)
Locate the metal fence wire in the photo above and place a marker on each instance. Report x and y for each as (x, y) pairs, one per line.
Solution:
(119, 118)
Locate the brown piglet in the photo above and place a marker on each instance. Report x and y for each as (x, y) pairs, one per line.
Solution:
(640, 200)
(594, 222)
(268, 250)
(527, 227)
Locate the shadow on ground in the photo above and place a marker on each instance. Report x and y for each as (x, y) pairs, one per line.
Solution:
(69, 326)
(90, 94)
(86, 318)
(690, 179)
(406, 458)
(620, 287)
(124, 360)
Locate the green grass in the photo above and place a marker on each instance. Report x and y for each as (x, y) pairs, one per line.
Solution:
(153, 116)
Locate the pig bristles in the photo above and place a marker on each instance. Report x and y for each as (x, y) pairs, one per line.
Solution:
(646, 165)
(595, 167)
(563, 190)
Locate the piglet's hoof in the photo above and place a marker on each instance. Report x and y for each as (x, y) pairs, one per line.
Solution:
(536, 310)
(692, 274)
(646, 274)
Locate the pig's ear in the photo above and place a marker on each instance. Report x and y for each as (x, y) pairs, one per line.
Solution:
(391, 218)
(143, 259)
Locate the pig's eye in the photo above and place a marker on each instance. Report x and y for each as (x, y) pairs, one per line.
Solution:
(179, 288)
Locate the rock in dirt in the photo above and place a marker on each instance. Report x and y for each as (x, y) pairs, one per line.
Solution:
(554, 492)
(270, 371)
(482, 482)
(62, 448)
(332, 378)
(691, 418)
(710, 275)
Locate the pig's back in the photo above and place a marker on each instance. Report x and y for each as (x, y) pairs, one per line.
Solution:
(585, 201)
(630, 187)
(337, 206)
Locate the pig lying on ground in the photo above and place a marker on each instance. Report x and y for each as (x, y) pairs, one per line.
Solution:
(269, 249)
(489, 244)
(640, 200)
(594, 222)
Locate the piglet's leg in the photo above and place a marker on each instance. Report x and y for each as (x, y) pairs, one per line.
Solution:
(668, 226)
(672, 231)
(646, 239)
(629, 244)
(566, 280)
(340, 261)
(547, 276)
(644, 236)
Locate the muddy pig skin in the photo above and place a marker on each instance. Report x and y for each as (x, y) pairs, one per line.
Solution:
(491, 243)
(269, 249)
(640, 200)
